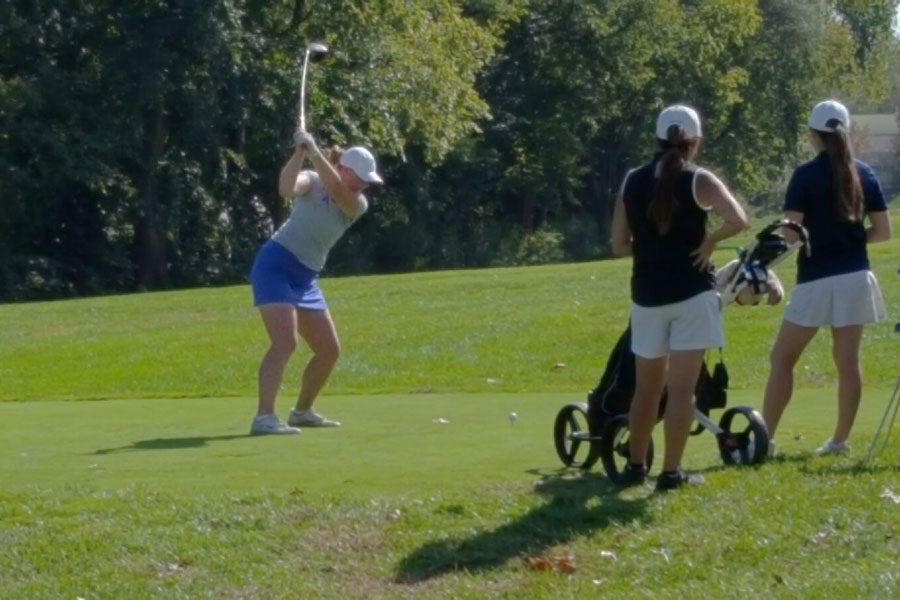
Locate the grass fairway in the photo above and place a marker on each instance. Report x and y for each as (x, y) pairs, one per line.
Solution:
(171, 498)
(488, 330)
(126, 470)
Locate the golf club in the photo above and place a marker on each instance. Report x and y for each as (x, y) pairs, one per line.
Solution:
(313, 49)
(889, 411)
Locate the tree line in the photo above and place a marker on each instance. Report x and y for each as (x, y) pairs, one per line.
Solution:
(141, 141)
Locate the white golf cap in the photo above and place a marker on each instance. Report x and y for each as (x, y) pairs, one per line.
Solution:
(825, 111)
(681, 115)
(362, 162)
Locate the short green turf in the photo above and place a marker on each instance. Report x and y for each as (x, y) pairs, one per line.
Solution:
(127, 471)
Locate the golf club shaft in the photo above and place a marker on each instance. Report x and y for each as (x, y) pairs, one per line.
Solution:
(891, 407)
(303, 91)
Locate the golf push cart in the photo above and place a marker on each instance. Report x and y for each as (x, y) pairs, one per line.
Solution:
(585, 432)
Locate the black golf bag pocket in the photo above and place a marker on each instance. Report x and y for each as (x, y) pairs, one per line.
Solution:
(712, 388)
(612, 396)
(615, 390)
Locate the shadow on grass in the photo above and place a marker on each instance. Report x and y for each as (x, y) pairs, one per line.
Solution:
(172, 443)
(857, 468)
(800, 458)
(571, 511)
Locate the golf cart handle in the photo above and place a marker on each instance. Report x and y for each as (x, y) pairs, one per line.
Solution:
(797, 228)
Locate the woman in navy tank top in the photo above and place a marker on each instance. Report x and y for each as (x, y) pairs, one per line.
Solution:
(660, 220)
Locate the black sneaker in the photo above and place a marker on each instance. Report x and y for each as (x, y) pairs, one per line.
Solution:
(670, 480)
(633, 475)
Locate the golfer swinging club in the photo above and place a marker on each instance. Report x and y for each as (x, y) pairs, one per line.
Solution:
(326, 202)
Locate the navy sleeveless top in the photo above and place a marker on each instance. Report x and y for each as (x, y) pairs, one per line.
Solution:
(663, 270)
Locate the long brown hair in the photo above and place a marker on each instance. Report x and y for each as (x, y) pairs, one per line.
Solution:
(676, 151)
(334, 154)
(849, 197)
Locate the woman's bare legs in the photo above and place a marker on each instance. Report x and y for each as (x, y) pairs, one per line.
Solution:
(650, 379)
(792, 340)
(845, 351)
(281, 325)
(684, 370)
(317, 328)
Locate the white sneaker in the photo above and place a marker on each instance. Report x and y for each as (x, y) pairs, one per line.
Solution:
(310, 418)
(830, 448)
(270, 425)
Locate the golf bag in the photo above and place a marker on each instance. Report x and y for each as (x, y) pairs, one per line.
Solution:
(612, 395)
(748, 277)
(601, 424)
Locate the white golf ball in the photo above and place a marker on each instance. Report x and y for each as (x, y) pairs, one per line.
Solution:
(513, 417)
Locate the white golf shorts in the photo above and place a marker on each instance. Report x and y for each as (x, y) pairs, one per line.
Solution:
(692, 324)
(838, 301)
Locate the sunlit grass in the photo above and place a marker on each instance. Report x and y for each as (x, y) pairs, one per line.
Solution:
(155, 490)
(490, 330)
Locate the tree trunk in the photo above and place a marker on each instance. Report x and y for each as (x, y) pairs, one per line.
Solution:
(528, 206)
(149, 242)
(604, 185)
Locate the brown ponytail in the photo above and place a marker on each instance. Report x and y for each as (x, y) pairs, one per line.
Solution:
(849, 197)
(662, 208)
(334, 155)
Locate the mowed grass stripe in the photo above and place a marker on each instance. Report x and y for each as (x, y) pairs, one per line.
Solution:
(488, 330)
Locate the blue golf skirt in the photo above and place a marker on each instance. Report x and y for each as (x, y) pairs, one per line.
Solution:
(278, 277)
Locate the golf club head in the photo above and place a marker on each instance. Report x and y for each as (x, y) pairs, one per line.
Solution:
(316, 51)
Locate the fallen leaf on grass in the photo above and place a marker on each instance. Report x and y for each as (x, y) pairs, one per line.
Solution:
(562, 564)
(440, 421)
(609, 554)
(558, 366)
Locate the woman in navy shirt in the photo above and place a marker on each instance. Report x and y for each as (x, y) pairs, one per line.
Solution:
(661, 220)
(831, 195)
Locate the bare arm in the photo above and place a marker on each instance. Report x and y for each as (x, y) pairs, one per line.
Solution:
(621, 231)
(879, 229)
(713, 194)
(291, 183)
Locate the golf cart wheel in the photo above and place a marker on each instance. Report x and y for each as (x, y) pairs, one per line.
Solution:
(614, 448)
(744, 439)
(572, 436)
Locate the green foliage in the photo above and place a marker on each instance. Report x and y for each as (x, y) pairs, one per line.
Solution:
(869, 22)
(152, 131)
(402, 74)
(858, 61)
(141, 141)
(538, 247)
